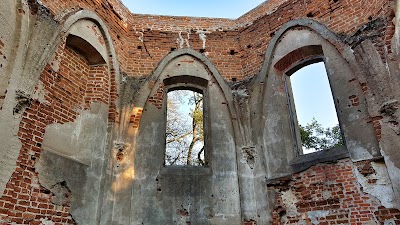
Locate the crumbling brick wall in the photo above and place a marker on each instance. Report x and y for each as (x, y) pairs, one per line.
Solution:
(329, 194)
(334, 14)
(112, 12)
(67, 85)
(236, 47)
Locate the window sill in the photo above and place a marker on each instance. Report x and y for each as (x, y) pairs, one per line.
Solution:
(304, 162)
(185, 170)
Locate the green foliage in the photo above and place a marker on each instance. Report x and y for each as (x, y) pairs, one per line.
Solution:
(314, 136)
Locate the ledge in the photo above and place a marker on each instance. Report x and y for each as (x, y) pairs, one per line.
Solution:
(304, 162)
(185, 170)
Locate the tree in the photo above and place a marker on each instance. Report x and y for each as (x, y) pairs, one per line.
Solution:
(314, 136)
(185, 131)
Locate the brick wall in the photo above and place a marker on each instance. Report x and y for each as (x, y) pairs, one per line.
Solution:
(334, 14)
(112, 12)
(329, 194)
(237, 49)
(67, 85)
(141, 41)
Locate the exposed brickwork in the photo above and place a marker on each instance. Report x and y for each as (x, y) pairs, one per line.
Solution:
(66, 91)
(97, 86)
(297, 56)
(354, 100)
(389, 33)
(251, 222)
(135, 117)
(112, 12)
(237, 49)
(376, 122)
(334, 14)
(331, 191)
(24, 200)
(143, 40)
(157, 98)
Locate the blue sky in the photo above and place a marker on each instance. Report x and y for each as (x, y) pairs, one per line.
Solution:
(198, 8)
(312, 95)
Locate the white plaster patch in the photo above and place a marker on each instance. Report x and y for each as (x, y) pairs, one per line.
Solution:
(389, 222)
(356, 151)
(46, 221)
(290, 200)
(141, 38)
(326, 194)
(353, 117)
(181, 40)
(382, 188)
(202, 36)
(55, 65)
(314, 216)
(39, 93)
(240, 93)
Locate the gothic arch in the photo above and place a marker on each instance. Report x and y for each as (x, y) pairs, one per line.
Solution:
(290, 49)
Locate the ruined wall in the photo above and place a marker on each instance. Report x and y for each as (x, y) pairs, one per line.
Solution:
(339, 193)
(115, 15)
(62, 130)
(177, 195)
(64, 161)
(333, 14)
(149, 38)
(24, 199)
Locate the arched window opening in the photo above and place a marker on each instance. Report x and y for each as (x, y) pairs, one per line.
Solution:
(314, 119)
(185, 127)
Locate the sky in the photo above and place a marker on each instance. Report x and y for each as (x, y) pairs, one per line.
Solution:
(198, 8)
(312, 95)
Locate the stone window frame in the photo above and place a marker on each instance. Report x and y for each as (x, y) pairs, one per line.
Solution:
(195, 84)
(291, 104)
(289, 64)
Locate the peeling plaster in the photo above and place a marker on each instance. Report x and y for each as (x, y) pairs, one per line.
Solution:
(46, 221)
(181, 40)
(202, 36)
(141, 38)
(40, 93)
(290, 200)
(314, 216)
(55, 65)
(357, 152)
(381, 188)
(390, 222)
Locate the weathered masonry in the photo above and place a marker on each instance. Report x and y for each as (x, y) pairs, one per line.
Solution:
(83, 114)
